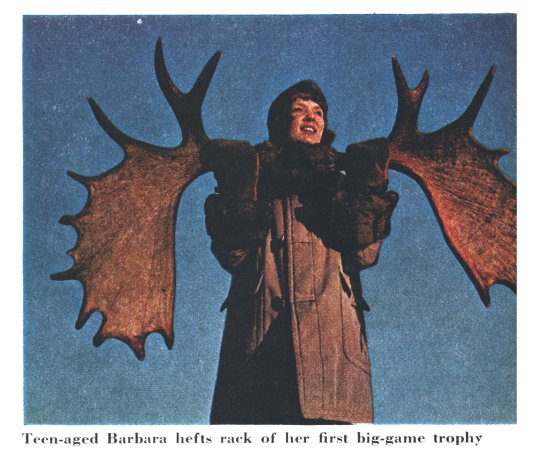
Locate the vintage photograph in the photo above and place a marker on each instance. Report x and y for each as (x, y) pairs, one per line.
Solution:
(270, 219)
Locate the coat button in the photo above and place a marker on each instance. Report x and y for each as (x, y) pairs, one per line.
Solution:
(276, 303)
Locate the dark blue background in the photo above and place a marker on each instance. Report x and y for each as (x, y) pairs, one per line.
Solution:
(438, 355)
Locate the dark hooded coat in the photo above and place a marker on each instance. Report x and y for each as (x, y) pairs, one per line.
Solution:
(294, 348)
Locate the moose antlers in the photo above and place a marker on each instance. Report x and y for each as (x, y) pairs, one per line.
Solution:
(124, 256)
(475, 203)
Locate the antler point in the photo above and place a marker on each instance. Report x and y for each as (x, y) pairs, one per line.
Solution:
(66, 220)
(98, 339)
(485, 297)
(77, 177)
(140, 354)
(67, 275)
(467, 119)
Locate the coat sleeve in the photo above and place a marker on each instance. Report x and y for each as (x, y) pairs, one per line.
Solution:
(356, 261)
(237, 227)
(229, 259)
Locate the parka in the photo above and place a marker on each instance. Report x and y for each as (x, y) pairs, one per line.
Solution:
(294, 349)
(294, 344)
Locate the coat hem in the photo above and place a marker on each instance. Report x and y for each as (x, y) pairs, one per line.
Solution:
(352, 416)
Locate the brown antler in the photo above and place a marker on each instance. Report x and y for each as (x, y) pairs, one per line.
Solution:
(475, 203)
(124, 255)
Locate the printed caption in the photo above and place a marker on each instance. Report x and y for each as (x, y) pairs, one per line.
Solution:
(297, 438)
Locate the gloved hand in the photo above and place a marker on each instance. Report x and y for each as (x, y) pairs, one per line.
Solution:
(359, 220)
(235, 167)
(311, 159)
(362, 207)
(297, 167)
(366, 167)
(236, 223)
(311, 163)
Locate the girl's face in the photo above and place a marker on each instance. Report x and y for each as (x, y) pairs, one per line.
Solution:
(307, 122)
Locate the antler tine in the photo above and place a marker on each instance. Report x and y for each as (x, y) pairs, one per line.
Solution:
(424, 83)
(400, 80)
(186, 107)
(66, 275)
(201, 85)
(84, 180)
(170, 90)
(467, 119)
(122, 139)
(408, 101)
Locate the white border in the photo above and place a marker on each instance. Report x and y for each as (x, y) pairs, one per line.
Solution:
(518, 435)
(67, 7)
